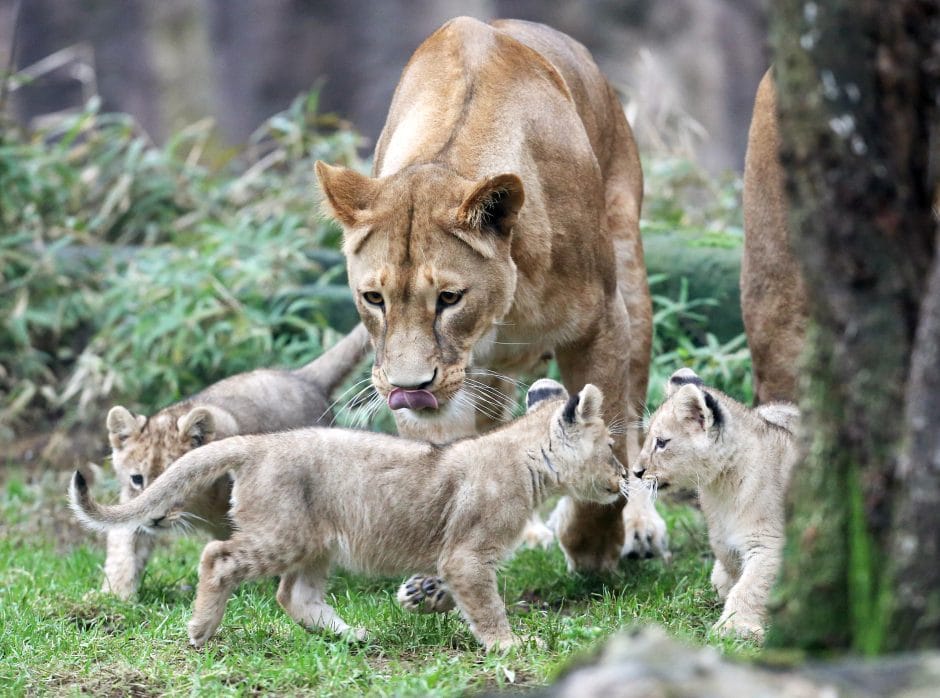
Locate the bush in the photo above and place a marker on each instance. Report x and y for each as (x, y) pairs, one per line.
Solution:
(137, 271)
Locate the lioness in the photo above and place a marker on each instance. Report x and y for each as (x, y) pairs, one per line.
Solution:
(740, 460)
(381, 504)
(248, 403)
(500, 226)
(773, 296)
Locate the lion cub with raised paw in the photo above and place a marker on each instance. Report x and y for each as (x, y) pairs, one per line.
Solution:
(306, 499)
(247, 403)
(740, 460)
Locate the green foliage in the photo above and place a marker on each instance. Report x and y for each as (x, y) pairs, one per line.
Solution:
(676, 321)
(135, 270)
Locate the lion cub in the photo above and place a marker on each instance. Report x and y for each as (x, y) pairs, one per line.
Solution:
(247, 403)
(740, 460)
(305, 499)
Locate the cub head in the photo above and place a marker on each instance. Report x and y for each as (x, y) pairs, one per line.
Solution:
(680, 442)
(579, 449)
(428, 256)
(142, 448)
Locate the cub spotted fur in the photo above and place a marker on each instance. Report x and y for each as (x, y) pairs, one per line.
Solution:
(740, 460)
(263, 400)
(501, 225)
(381, 504)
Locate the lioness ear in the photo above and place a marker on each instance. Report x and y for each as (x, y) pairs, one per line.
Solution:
(544, 389)
(696, 407)
(122, 425)
(489, 212)
(347, 195)
(684, 376)
(196, 426)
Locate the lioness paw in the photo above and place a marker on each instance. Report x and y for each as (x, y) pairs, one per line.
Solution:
(536, 534)
(421, 594)
(645, 533)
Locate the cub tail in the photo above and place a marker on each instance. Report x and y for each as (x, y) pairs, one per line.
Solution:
(334, 365)
(163, 502)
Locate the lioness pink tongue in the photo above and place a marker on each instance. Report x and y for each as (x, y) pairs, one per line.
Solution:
(400, 398)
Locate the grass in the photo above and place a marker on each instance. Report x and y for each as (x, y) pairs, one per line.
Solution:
(62, 637)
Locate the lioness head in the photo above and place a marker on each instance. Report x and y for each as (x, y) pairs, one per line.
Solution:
(680, 441)
(580, 449)
(428, 255)
(142, 448)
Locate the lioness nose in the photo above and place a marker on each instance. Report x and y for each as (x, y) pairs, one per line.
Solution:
(639, 473)
(406, 382)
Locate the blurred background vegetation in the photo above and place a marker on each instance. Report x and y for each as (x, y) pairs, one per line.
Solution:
(142, 260)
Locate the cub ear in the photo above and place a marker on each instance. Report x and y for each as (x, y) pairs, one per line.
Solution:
(695, 407)
(544, 389)
(684, 376)
(196, 426)
(347, 198)
(584, 405)
(489, 212)
(122, 425)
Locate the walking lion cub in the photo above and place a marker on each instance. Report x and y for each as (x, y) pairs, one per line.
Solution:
(740, 460)
(303, 500)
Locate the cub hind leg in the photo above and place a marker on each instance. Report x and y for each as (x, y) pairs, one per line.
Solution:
(224, 565)
(301, 595)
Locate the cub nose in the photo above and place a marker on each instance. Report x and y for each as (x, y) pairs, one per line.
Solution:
(639, 473)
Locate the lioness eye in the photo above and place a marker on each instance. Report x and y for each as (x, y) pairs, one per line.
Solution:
(450, 297)
(137, 480)
(661, 443)
(373, 298)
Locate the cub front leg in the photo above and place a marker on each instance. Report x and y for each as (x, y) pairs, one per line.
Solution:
(127, 553)
(472, 581)
(745, 607)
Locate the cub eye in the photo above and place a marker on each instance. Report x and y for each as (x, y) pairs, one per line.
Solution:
(661, 443)
(137, 480)
(197, 440)
(450, 297)
(373, 298)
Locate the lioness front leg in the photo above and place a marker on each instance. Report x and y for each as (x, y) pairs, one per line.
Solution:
(127, 554)
(745, 607)
(472, 581)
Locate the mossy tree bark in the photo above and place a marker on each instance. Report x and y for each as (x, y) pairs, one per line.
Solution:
(858, 87)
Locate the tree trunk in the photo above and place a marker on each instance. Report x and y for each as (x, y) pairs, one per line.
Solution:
(858, 89)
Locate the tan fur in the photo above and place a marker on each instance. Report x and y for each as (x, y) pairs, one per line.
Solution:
(773, 296)
(249, 403)
(379, 504)
(740, 462)
(506, 172)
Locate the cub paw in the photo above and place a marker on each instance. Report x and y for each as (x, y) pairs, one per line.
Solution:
(199, 633)
(741, 626)
(645, 533)
(421, 594)
(356, 635)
